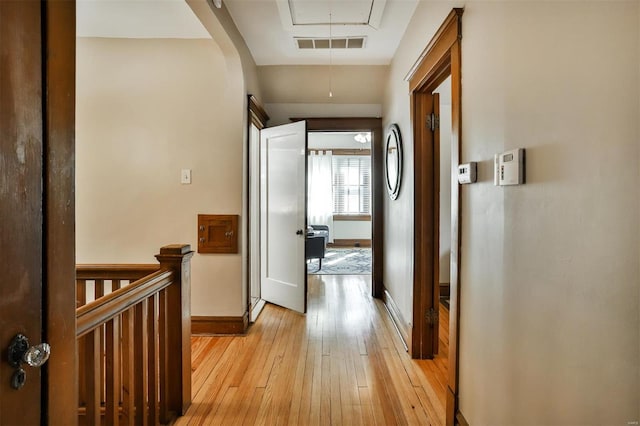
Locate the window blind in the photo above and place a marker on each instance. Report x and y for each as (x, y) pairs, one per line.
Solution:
(351, 184)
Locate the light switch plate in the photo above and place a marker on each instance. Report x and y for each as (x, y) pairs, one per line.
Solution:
(185, 176)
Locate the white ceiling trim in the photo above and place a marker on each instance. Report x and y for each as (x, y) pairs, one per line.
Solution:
(376, 13)
(285, 14)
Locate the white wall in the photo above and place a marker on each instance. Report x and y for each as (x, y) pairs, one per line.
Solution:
(169, 104)
(352, 230)
(549, 270)
(398, 214)
(145, 110)
(220, 25)
(303, 91)
(242, 73)
(363, 84)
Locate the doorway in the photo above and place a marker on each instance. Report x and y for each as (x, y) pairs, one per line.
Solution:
(440, 60)
(258, 119)
(356, 126)
(339, 203)
(352, 125)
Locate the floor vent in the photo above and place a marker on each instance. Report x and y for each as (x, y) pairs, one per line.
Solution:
(336, 43)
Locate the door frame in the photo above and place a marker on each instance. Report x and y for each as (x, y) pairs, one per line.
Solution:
(259, 118)
(439, 60)
(60, 380)
(373, 125)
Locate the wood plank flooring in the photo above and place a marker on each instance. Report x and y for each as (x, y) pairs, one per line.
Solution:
(340, 364)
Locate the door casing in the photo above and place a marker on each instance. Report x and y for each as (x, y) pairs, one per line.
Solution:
(439, 60)
(61, 389)
(258, 118)
(373, 125)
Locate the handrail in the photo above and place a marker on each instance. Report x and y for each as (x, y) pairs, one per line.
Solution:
(99, 311)
(134, 353)
(113, 271)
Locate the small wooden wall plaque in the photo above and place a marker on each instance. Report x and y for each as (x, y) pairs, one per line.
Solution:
(217, 233)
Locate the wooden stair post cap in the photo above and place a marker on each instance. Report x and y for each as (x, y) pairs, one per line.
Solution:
(175, 249)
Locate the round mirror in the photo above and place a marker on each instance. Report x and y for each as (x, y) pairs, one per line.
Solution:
(393, 161)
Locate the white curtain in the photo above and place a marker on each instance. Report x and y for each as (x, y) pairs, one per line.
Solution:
(320, 192)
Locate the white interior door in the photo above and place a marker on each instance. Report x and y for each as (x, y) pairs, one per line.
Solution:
(283, 215)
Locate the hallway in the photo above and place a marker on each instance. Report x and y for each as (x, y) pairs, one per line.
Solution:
(341, 364)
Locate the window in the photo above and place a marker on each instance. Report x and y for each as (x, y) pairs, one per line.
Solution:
(351, 184)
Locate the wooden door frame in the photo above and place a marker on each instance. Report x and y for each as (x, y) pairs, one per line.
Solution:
(60, 396)
(440, 59)
(373, 125)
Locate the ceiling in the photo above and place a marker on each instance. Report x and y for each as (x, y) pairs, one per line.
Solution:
(137, 19)
(270, 29)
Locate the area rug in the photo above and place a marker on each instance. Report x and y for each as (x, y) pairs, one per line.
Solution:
(337, 261)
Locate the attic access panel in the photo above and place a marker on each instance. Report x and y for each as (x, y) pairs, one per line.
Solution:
(300, 13)
(304, 12)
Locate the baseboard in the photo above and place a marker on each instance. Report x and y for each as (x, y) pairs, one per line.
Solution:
(460, 420)
(453, 414)
(349, 243)
(219, 325)
(445, 289)
(396, 317)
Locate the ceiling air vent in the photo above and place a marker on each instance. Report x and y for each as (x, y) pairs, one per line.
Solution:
(336, 43)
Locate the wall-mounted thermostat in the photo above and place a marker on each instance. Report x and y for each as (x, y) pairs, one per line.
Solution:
(509, 168)
(467, 173)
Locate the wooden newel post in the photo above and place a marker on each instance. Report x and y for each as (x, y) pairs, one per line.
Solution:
(178, 320)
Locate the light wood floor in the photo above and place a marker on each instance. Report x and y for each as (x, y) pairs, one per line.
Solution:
(341, 364)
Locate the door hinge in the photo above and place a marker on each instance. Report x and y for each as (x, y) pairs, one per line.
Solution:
(432, 316)
(433, 122)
